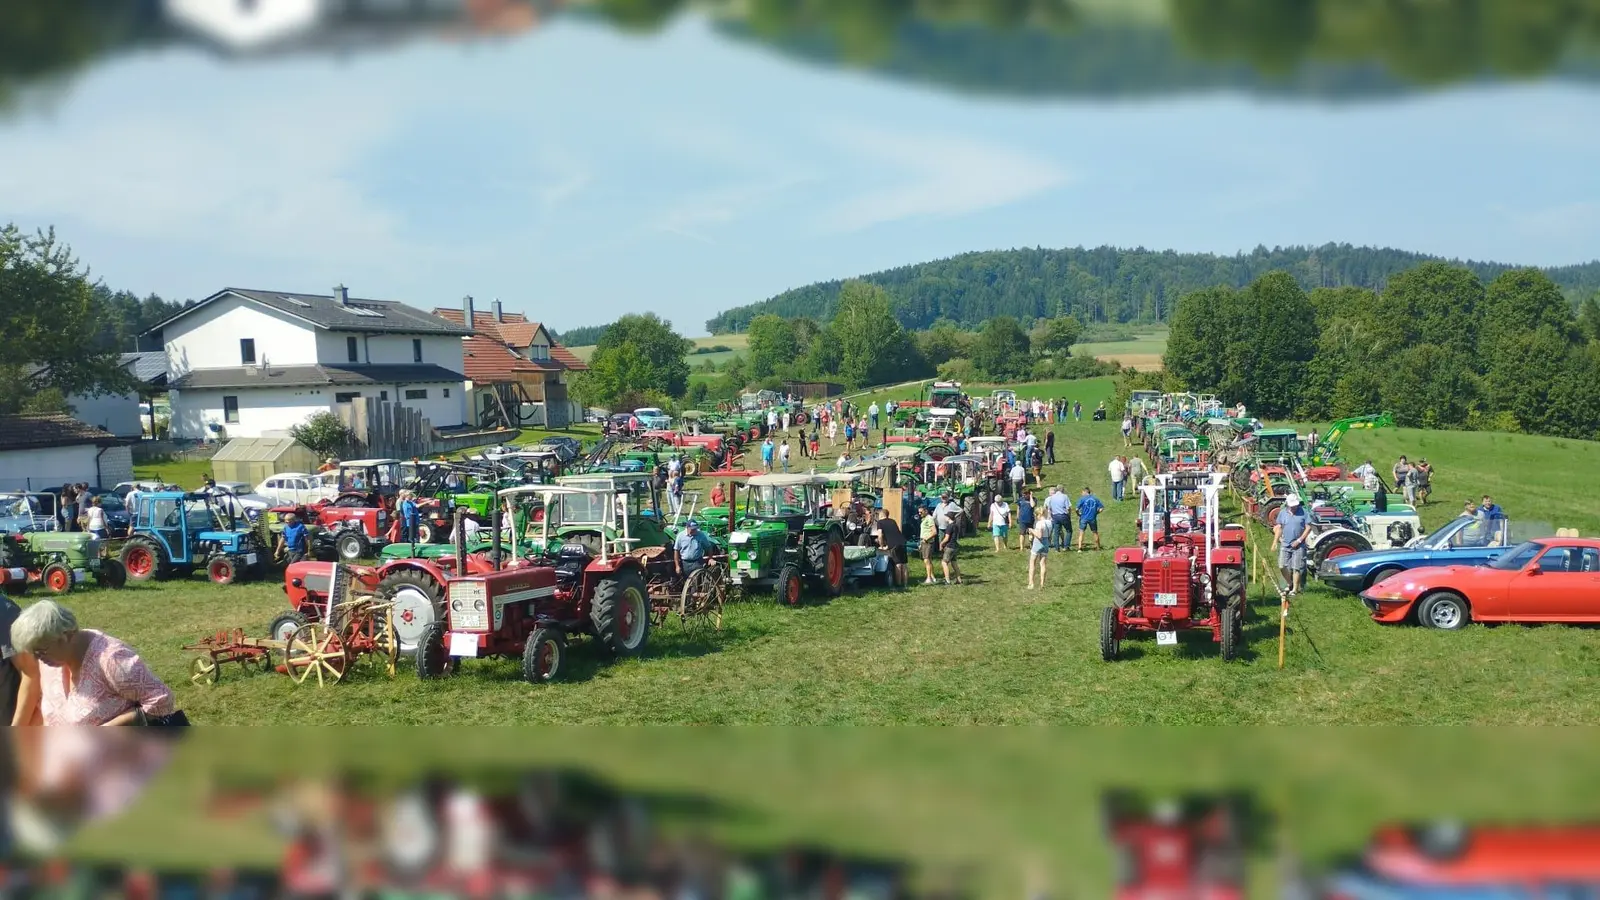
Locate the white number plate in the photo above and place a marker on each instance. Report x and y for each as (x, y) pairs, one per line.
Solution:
(250, 558)
(463, 644)
(744, 563)
(1166, 599)
(1164, 638)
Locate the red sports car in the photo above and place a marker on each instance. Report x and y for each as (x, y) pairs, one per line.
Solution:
(1547, 580)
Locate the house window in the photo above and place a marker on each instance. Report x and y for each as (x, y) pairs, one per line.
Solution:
(351, 349)
(417, 395)
(416, 349)
(538, 351)
(447, 393)
(230, 410)
(247, 351)
(383, 395)
(347, 397)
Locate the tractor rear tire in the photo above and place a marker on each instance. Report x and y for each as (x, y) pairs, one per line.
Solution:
(415, 593)
(1110, 643)
(1232, 634)
(351, 546)
(788, 588)
(620, 612)
(970, 510)
(1230, 587)
(1336, 545)
(111, 574)
(427, 534)
(1127, 585)
(56, 578)
(433, 657)
(221, 570)
(544, 655)
(284, 626)
(825, 560)
(144, 559)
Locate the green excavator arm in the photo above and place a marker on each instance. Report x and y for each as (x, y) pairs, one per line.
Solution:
(1326, 451)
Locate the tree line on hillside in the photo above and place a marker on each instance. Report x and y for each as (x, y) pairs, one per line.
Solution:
(586, 336)
(1438, 347)
(1105, 284)
(639, 360)
(63, 332)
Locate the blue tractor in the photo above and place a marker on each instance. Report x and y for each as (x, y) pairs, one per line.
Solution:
(177, 532)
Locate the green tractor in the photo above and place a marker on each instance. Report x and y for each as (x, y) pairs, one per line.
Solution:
(580, 524)
(57, 560)
(787, 539)
(964, 476)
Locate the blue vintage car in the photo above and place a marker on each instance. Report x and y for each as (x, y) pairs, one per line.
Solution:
(1464, 541)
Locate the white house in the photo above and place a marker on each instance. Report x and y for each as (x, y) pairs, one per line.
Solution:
(45, 452)
(251, 363)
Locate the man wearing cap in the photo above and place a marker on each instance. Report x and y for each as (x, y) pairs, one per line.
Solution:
(1289, 535)
(690, 549)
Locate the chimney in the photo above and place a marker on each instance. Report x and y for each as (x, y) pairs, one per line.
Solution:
(341, 295)
(466, 312)
(499, 314)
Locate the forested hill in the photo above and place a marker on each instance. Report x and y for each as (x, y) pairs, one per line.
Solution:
(1106, 284)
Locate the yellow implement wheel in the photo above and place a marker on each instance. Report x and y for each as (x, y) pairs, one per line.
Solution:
(203, 670)
(387, 644)
(316, 648)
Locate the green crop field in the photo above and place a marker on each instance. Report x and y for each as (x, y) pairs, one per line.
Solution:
(736, 344)
(987, 652)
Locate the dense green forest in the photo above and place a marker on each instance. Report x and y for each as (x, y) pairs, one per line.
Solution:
(1440, 347)
(1106, 284)
(586, 336)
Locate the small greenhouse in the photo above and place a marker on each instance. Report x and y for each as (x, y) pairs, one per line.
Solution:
(254, 460)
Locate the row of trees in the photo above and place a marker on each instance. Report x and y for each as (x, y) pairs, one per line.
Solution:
(1438, 347)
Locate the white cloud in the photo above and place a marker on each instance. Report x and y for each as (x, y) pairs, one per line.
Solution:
(937, 176)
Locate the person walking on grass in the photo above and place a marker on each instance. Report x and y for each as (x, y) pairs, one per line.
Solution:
(928, 540)
(1038, 551)
(1036, 462)
(783, 455)
(1025, 519)
(999, 522)
(1089, 507)
(833, 432)
(1289, 535)
(766, 454)
(1119, 476)
(1127, 431)
(1050, 447)
(950, 547)
(1059, 506)
(1077, 410)
(1402, 479)
(1019, 477)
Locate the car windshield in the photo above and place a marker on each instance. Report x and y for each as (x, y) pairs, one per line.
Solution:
(1518, 556)
(14, 506)
(111, 503)
(773, 501)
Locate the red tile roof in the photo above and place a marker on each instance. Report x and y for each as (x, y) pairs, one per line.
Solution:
(487, 361)
(514, 330)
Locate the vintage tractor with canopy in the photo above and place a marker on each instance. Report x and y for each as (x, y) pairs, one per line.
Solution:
(1185, 582)
(788, 539)
(176, 533)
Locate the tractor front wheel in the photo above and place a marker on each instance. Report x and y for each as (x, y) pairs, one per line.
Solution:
(350, 546)
(544, 655)
(284, 626)
(427, 534)
(221, 570)
(57, 578)
(433, 658)
(1230, 588)
(144, 560)
(788, 586)
(1232, 634)
(621, 613)
(1127, 585)
(418, 602)
(825, 559)
(111, 574)
(1110, 640)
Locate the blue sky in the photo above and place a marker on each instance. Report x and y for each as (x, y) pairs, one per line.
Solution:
(577, 173)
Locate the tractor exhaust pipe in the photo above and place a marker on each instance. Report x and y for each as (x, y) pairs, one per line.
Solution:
(458, 537)
(495, 521)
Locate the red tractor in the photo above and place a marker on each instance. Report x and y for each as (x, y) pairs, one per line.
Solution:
(1174, 511)
(1191, 849)
(529, 610)
(356, 523)
(1185, 582)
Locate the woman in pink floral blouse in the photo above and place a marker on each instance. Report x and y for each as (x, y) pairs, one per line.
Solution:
(87, 677)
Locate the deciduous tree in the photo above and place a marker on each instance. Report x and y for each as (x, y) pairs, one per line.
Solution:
(654, 362)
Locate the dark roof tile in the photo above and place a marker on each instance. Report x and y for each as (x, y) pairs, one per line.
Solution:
(314, 376)
(33, 432)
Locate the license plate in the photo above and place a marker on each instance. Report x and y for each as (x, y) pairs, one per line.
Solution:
(744, 563)
(250, 558)
(1166, 599)
(1164, 638)
(463, 644)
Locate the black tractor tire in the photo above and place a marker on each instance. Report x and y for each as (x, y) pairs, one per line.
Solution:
(788, 588)
(1127, 586)
(157, 568)
(1268, 514)
(427, 534)
(351, 546)
(1110, 644)
(620, 612)
(286, 624)
(420, 582)
(221, 570)
(825, 562)
(111, 574)
(971, 511)
(433, 657)
(544, 656)
(1229, 588)
(1232, 634)
(56, 578)
(1337, 544)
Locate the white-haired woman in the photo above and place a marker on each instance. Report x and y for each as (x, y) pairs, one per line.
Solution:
(87, 677)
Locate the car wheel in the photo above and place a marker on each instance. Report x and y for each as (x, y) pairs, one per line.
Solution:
(1380, 574)
(1446, 611)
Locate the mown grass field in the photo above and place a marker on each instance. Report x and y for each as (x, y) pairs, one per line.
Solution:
(987, 652)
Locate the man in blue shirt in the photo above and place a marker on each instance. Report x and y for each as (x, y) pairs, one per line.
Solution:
(690, 549)
(1490, 510)
(410, 517)
(1059, 506)
(1089, 507)
(293, 540)
(766, 453)
(1289, 534)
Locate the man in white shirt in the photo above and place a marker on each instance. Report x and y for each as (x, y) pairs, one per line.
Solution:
(1019, 475)
(674, 466)
(1119, 475)
(1367, 474)
(999, 522)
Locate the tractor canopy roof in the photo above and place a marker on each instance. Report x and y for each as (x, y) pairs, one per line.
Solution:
(367, 463)
(605, 480)
(962, 458)
(900, 451)
(1276, 432)
(791, 480)
(691, 414)
(546, 491)
(943, 412)
(845, 476)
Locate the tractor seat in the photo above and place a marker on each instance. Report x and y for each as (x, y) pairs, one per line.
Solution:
(571, 560)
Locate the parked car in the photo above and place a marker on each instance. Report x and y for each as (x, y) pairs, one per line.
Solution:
(118, 522)
(1546, 580)
(567, 448)
(22, 512)
(1463, 541)
(1449, 861)
(238, 498)
(298, 488)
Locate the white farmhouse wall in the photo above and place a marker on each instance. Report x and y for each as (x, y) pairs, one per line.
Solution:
(208, 338)
(439, 410)
(49, 467)
(260, 410)
(333, 349)
(116, 413)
